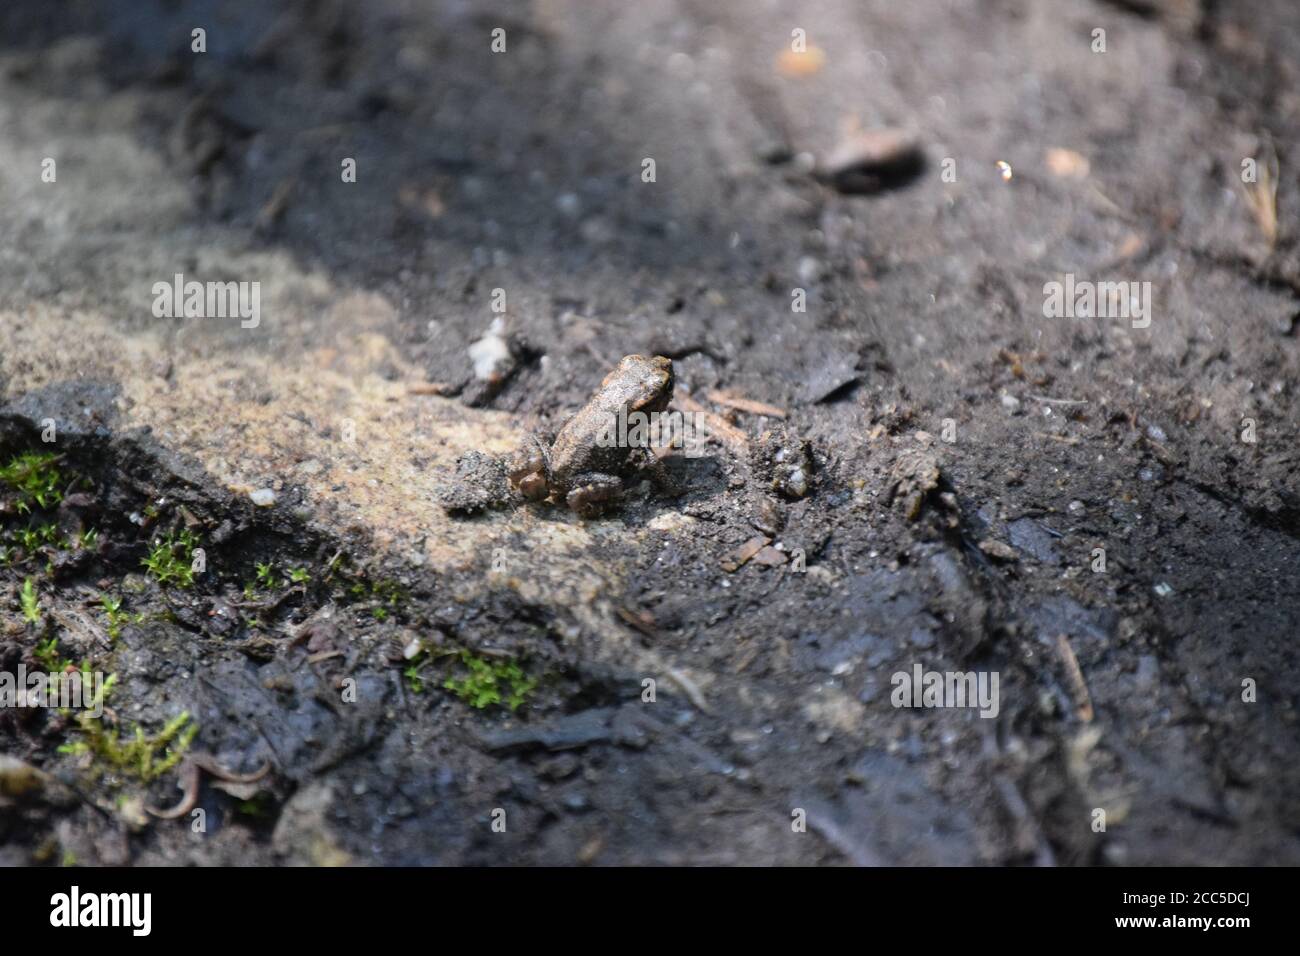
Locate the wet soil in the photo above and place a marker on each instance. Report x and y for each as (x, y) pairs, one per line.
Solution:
(355, 398)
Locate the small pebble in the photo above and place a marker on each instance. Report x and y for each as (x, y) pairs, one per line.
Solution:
(810, 269)
(795, 484)
(767, 517)
(490, 353)
(263, 497)
(871, 160)
(998, 550)
(569, 205)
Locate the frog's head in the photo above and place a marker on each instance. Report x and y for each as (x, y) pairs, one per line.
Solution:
(650, 380)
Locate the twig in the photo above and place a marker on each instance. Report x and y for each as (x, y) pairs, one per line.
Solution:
(1057, 401)
(635, 621)
(719, 427)
(1082, 699)
(689, 688)
(1261, 195)
(190, 775)
(269, 605)
(744, 404)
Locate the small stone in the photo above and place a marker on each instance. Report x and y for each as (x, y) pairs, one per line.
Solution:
(1031, 538)
(770, 557)
(479, 482)
(132, 813)
(1163, 590)
(795, 484)
(775, 152)
(788, 459)
(1067, 164)
(872, 160)
(999, 550)
(491, 353)
(736, 559)
(263, 497)
(810, 269)
(18, 779)
(768, 517)
(914, 477)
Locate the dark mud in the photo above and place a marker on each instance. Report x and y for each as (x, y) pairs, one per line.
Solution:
(1120, 690)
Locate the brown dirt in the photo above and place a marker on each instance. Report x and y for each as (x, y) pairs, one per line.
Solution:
(521, 171)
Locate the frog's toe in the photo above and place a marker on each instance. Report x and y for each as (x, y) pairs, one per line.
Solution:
(533, 486)
(594, 494)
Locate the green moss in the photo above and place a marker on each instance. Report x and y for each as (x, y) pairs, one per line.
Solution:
(266, 576)
(412, 673)
(490, 682)
(390, 596)
(30, 602)
(169, 560)
(137, 755)
(47, 655)
(260, 807)
(36, 479)
(387, 595)
(116, 616)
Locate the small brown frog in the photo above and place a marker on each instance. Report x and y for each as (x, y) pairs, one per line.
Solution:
(583, 468)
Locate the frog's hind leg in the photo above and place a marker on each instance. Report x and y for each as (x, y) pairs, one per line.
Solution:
(593, 492)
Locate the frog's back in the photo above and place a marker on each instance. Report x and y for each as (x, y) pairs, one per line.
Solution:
(591, 441)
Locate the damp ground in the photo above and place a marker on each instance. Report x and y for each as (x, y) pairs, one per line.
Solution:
(406, 673)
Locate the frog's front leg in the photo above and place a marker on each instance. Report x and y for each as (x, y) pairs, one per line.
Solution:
(592, 492)
(529, 470)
